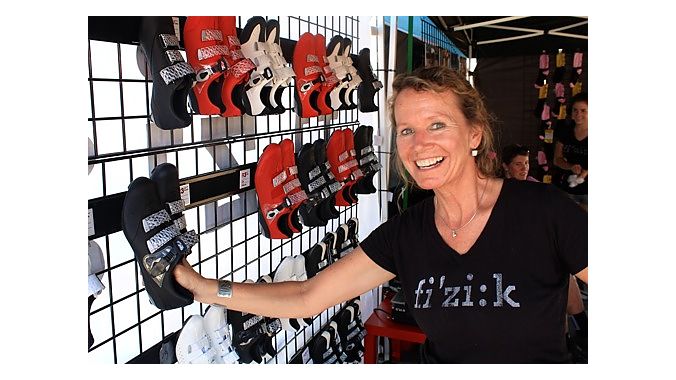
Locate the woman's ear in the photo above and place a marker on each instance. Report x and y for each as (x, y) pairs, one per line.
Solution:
(475, 135)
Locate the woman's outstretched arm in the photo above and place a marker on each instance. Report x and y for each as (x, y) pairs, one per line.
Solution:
(345, 279)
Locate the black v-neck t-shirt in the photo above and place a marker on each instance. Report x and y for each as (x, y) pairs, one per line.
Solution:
(504, 301)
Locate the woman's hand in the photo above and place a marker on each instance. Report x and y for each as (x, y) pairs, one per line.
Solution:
(187, 277)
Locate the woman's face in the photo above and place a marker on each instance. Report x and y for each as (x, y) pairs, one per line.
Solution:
(518, 168)
(580, 113)
(434, 140)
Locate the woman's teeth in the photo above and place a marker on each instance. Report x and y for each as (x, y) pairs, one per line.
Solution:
(428, 162)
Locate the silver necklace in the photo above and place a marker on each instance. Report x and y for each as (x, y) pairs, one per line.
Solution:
(454, 231)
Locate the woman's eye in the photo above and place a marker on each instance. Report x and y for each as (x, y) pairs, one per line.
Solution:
(405, 131)
(437, 126)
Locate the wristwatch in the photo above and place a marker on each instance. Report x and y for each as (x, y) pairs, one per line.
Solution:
(224, 289)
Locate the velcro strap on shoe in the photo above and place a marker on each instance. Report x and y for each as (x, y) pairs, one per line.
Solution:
(241, 68)
(273, 327)
(343, 156)
(180, 222)
(329, 357)
(231, 357)
(169, 40)
(366, 150)
(212, 35)
(233, 41)
(279, 178)
(334, 187)
(373, 167)
(198, 352)
(176, 71)
(377, 85)
(154, 220)
(338, 69)
(312, 186)
(312, 70)
(294, 183)
(176, 206)
(297, 197)
(212, 51)
(189, 238)
(314, 172)
(293, 170)
(368, 158)
(352, 331)
(357, 173)
(283, 73)
(174, 56)
(161, 238)
(327, 68)
(348, 165)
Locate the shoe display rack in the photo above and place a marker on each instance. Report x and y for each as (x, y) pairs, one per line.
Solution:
(216, 158)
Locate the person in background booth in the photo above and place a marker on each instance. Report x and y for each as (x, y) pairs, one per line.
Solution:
(515, 162)
(570, 152)
(481, 290)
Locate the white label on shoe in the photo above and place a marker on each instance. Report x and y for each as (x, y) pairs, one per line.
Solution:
(91, 222)
(177, 27)
(244, 178)
(306, 356)
(185, 193)
(377, 140)
(390, 196)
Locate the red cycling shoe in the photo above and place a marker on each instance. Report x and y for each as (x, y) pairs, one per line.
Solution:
(308, 72)
(204, 50)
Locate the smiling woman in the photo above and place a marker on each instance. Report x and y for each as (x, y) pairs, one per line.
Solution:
(470, 235)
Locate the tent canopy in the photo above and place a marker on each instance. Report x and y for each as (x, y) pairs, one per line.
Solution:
(496, 36)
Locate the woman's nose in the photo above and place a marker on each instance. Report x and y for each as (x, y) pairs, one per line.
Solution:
(421, 138)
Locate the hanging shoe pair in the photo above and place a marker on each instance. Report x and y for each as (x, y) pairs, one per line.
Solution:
(368, 162)
(172, 77)
(213, 50)
(153, 223)
(351, 332)
(341, 97)
(370, 85)
(262, 94)
(314, 173)
(206, 340)
(344, 166)
(250, 336)
(279, 191)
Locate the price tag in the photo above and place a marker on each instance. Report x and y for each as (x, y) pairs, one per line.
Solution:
(91, 222)
(244, 178)
(185, 193)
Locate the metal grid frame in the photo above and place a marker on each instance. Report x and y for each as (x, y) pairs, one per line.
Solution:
(434, 38)
(222, 251)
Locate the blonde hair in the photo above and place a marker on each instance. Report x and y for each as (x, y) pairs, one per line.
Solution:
(440, 79)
